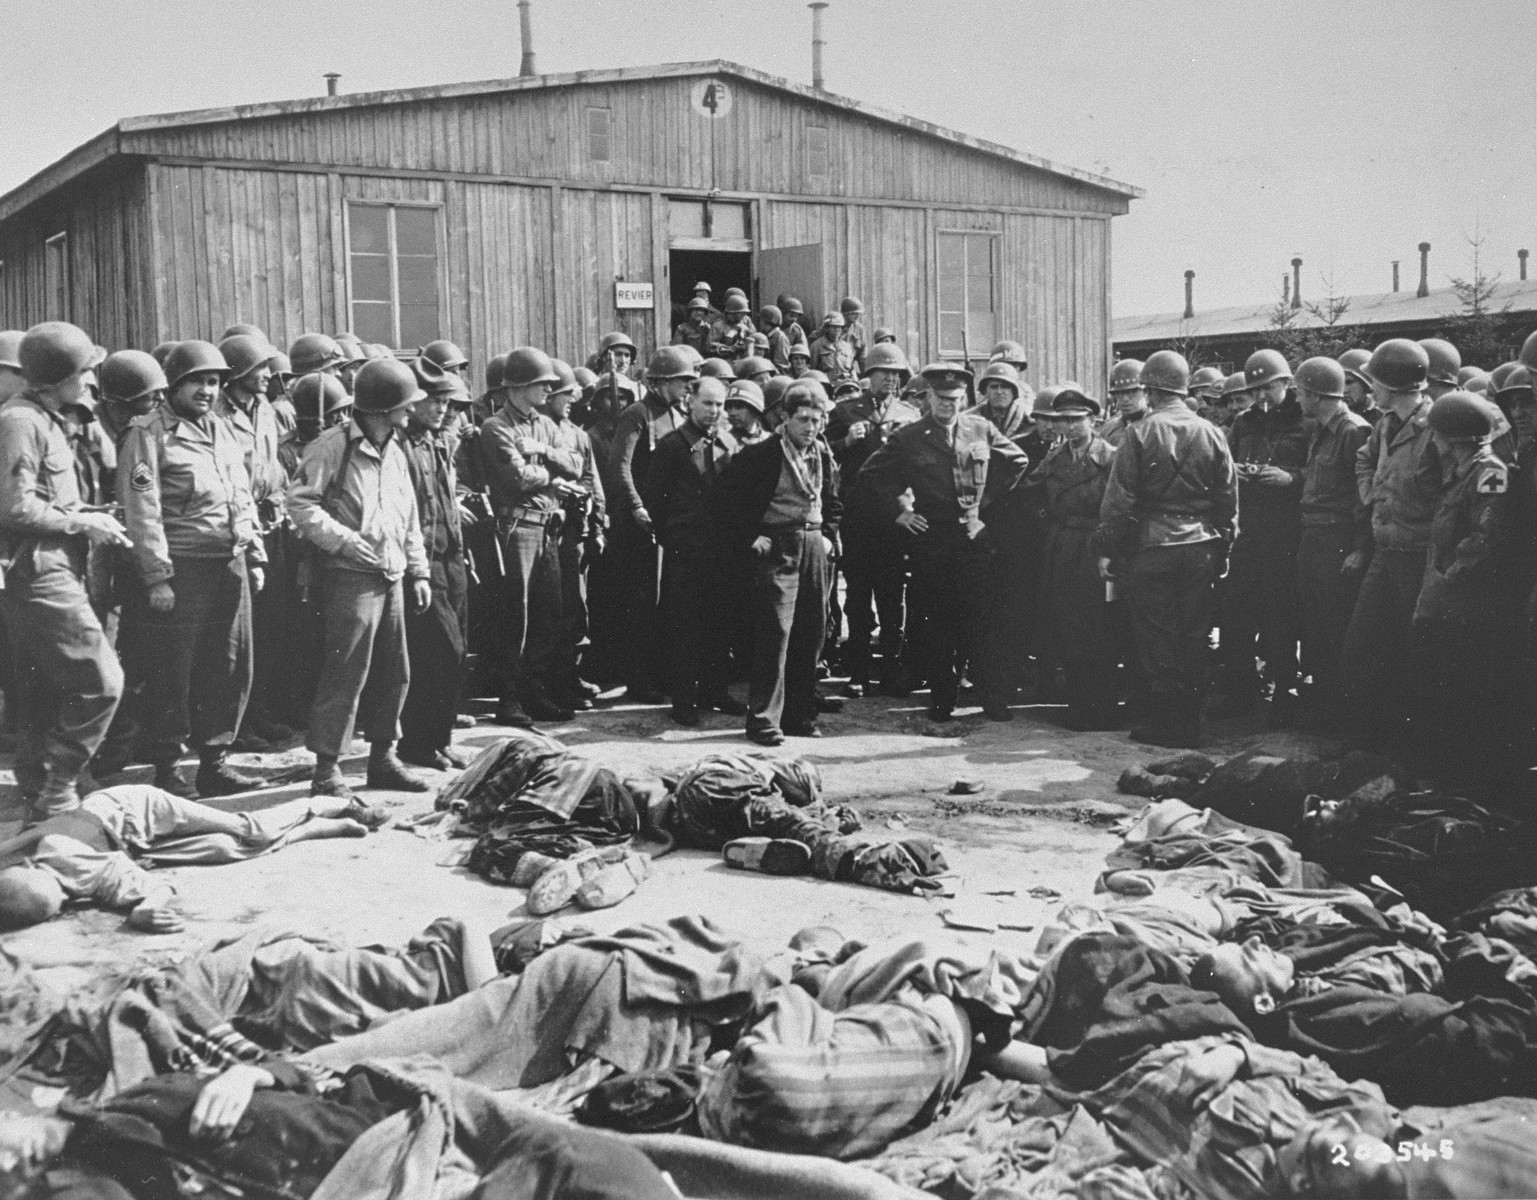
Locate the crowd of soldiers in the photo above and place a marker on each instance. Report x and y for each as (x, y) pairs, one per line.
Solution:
(211, 546)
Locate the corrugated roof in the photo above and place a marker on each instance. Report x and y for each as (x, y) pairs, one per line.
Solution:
(91, 153)
(1375, 308)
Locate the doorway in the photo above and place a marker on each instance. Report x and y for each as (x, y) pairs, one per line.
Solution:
(721, 269)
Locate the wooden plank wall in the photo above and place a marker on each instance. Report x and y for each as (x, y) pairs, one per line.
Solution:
(657, 141)
(111, 297)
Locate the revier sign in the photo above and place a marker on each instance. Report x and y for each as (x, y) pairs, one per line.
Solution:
(633, 295)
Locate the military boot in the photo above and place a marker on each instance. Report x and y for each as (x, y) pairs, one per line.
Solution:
(215, 777)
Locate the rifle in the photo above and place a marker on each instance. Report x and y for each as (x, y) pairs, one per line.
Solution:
(971, 391)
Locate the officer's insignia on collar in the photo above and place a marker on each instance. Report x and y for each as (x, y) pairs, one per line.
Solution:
(1493, 482)
(141, 480)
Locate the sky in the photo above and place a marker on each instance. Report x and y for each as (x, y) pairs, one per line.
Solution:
(1343, 131)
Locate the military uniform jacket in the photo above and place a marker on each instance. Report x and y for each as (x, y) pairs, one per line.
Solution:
(39, 487)
(682, 478)
(349, 492)
(952, 485)
(1117, 427)
(431, 460)
(1329, 492)
(884, 417)
(184, 492)
(258, 435)
(1468, 544)
(1398, 473)
(518, 483)
(1172, 484)
(1270, 439)
(779, 349)
(1072, 485)
(729, 341)
(636, 434)
(697, 336)
(833, 356)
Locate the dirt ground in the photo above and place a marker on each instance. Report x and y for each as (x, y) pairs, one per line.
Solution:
(1034, 835)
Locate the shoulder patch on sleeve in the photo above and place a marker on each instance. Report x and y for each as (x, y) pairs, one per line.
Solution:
(140, 479)
(1493, 481)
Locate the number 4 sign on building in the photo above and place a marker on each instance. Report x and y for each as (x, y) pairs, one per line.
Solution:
(711, 98)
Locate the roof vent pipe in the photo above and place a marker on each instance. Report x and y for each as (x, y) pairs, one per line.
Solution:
(1189, 294)
(1521, 255)
(1395, 274)
(818, 80)
(332, 79)
(1286, 288)
(1424, 270)
(1296, 283)
(526, 28)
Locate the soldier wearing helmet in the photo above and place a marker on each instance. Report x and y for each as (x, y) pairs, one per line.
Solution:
(530, 475)
(758, 369)
(615, 354)
(797, 326)
(1358, 385)
(830, 351)
(353, 358)
(448, 356)
(956, 466)
(853, 310)
(1169, 517)
(1206, 392)
(1399, 474)
(1129, 398)
(1445, 363)
(744, 412)
(133, 385)
(1010, 352)
(11, 381)
(1259, 598)
(354, 502)
(800, 360)
(872, 560)
(1336, 538)
(771, 323)
(315, 352)
(319, 402)
(696, 330)
(199, 558)
(731, 332)
(277, 392)
(69, 680)
(1466, 606)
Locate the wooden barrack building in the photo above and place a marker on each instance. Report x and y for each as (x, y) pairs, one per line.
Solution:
(550, 209)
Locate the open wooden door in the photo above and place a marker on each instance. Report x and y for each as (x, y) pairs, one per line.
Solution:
(796, 271)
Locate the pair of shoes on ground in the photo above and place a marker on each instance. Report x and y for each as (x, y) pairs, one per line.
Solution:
(772, 856)
(445, 758)
(598, 878)
(214, 778)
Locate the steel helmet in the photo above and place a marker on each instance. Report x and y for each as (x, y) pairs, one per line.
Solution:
(377, 350)
(567, 384)
(800, 350)
(445, 354)
(241, 329)
(1168, 372)
(691, 354)
(737, 304)
(670, 362)
(621, 383)
(434, 379)
(1400, 365)
(317, 396)
(1002, 371)
(1518, 381)
(1126, 376)
(792, 307)
(852, 306)
(494, 369)
(699, 304)
(701, 286)
(1466, 373)
(1010, 352)
(130, 374)
(1234, 385)
(193, 358)
(1464, 417)
(281, 367)
(746, 368)
(1445, 360)
(1528, 355)
(1323, 377)
(10, 343)
(1045, 397)
(881, 335)
(834, 318)
(769, 314)
(888, 356)
(1500, 374)
(845, 387)
(245, 352)
(53, 351)
(528, 365)
(584, 378)
(315, 352)
(745, 391)
(718, 368)
(1206, 378)
(734, 291)
(774, 391)
(820, 377)
(351, 348)
(1354, 364)
(616, 341)
(384, 385)
(1479, 384)
(1265, 366)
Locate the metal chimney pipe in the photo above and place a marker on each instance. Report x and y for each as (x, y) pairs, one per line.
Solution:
(818, 80)
(1189, 294)
(1424, 270)
(1521, 254)
(332, 79)
(1395, 274)
(1296, 283)
(1286, 288)
(526, 28)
